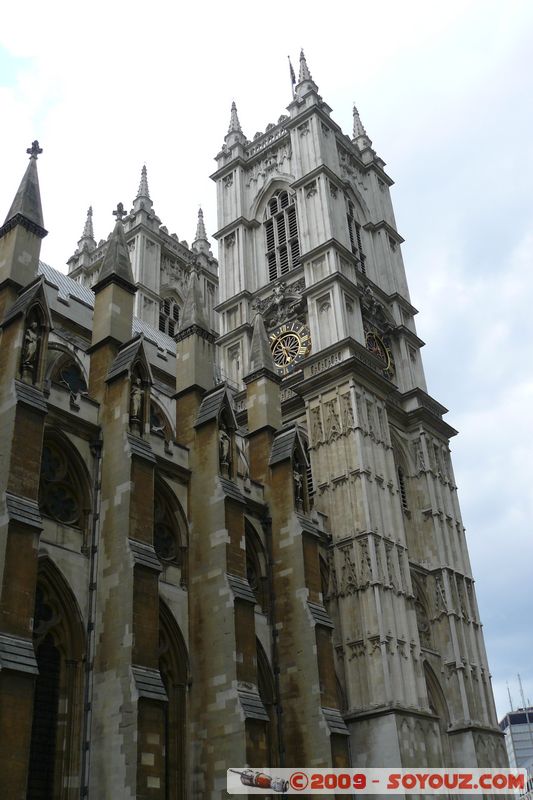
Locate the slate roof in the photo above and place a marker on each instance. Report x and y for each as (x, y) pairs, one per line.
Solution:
(241, 588)
(335, 722)
(319, 614)
(17, 654)
(231, 490)
(148, 683)
(145, 555)
(68, 288)
(23, 510)
(252, 705)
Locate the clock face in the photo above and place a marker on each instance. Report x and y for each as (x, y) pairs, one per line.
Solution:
(379, 348)
(289, 343)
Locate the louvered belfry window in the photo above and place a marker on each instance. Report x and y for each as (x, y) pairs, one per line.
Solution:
(281, 234)
(354, 231)
(169, 316)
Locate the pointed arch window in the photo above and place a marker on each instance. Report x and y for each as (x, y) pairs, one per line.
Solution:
(356, 240)
(170, 539)
(62, 495)
(281, 235)
(169, 316)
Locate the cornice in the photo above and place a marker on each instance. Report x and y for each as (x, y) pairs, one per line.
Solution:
(244, 295)
(384, 225)
(231, 226)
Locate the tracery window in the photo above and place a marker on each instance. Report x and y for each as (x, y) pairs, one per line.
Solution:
(281, 234)
(354, 232)
(256, 566)
(169, 541)
(59, 493)
(169, 316)
(68, 374)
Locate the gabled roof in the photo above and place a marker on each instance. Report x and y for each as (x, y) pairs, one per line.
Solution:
(25, 299)
(212, 405)
(126, 357)
(284, 443)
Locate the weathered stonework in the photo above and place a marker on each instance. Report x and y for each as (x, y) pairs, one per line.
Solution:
(212, 554)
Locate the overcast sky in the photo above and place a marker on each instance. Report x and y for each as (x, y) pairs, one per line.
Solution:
(445, 92)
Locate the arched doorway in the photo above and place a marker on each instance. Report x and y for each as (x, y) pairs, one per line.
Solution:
(174, 668)
(59, 642)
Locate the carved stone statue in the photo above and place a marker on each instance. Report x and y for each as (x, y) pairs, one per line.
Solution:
(298, 486)
(31, 343)
(136, 400)
(224, 451)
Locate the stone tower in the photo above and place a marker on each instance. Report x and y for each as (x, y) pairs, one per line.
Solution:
(307, 236)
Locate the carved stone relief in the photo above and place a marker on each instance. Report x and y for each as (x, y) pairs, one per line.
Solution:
(284, 303)
(317, 434)
(348, 575)
(348, 420)
(331, 418)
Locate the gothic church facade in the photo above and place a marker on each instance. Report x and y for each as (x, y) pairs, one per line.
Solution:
(229, 527)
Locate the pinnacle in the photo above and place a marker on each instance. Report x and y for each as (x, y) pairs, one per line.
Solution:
(143, 185)
(234, 124)
(200, 228)
(358, 127)
(201, 242)
(88, 232)
(26, 207)
(305, 74)
(116, 261)
(260, 352)
(194, 313)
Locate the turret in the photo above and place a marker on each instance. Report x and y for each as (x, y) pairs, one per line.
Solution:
(21, 233)
(195, 352)
(113, 303)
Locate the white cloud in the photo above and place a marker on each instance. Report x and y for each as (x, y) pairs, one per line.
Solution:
(444, 92)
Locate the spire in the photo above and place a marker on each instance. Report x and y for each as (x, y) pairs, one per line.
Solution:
(116, 264)
(88, 232)
(260, 352)
(200, 228)
(305, 83)
(26, 208)
(143, 199)
(359, 132)
(143, 185)
(304, 75)
(234, 124)
(194, 314)
(201, 242)
(234, 134)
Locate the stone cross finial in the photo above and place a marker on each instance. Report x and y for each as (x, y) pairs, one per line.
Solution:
(34, 151)
(119, 212)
